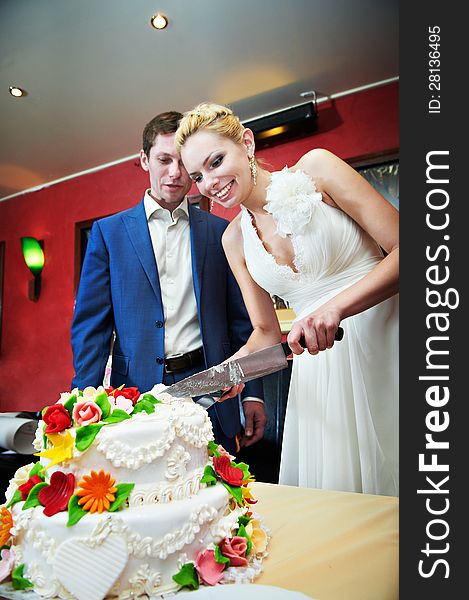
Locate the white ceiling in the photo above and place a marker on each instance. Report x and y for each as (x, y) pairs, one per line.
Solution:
(96, 71)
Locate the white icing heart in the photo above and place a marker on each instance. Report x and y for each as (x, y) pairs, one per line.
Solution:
(89, 572)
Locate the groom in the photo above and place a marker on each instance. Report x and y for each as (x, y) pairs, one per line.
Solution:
(156, 276)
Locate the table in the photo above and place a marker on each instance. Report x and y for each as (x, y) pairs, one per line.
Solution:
(330, 545)
(327, 545)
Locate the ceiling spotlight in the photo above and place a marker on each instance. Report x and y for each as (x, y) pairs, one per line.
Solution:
(16, 91)
(159, 21)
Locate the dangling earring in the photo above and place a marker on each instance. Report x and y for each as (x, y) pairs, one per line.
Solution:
(211, 205)
(253, 167)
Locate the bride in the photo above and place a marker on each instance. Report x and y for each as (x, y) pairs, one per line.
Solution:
(319, 236)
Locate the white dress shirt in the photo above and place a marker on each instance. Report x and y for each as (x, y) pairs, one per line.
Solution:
(170, 237)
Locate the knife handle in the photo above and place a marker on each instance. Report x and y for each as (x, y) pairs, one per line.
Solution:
(339, 334)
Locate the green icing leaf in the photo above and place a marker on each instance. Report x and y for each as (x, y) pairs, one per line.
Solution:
(235, 491)
(151, 399)
(116, 416)
(44, 410)
(17, 497)
(5, 547)
(123, 492)
(219, 558)
(75, 511)
(103, 402)
(32, 499)
(209, 477)
(144, 405)
(38, 469)
(244, 520)
(244, 468)
(70, 404)
(212, 447)
(85, 436)
(243, 533)
(187, 577)
(17, 579)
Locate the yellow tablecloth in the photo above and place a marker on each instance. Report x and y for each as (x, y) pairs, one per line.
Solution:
(330, 545)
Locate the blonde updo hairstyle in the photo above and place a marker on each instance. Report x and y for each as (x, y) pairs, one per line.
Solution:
(212, 117)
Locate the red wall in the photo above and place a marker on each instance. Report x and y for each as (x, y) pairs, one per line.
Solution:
(36, 359)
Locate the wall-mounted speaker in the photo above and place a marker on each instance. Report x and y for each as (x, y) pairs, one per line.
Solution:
(284, 125)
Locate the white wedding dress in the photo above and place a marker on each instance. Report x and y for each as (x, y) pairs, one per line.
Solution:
(341, 425)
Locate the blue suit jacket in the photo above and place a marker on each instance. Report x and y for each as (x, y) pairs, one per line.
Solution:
(120, 290)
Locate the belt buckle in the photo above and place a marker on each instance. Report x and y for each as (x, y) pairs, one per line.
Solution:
(166, 368)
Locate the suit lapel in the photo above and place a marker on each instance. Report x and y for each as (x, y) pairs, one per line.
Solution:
(198, 229)
(135, 222)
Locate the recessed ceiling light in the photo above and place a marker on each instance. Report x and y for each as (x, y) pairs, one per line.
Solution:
(159, 21)
(16, 91)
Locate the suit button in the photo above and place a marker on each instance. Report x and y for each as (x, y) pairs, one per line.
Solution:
(159, 324)
(159, 360)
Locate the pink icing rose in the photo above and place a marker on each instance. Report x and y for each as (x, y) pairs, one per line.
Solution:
(7, 563)
(235, 549)
(86, 412)
(207, 567)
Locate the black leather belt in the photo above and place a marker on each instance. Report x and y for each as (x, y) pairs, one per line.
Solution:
(180, 362)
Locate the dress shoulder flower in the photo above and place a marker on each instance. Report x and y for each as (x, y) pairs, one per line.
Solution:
(291, 200)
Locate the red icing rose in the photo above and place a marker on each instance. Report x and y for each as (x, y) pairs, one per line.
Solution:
(207, 567)
(235, 549)
(131, 393)
(56, 495)
(57, 418)
(232, 475)
(25, 488)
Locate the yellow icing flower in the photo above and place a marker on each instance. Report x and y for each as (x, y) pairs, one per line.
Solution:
(62, 448)
(6, 523)
(248, 498)
(258, 536)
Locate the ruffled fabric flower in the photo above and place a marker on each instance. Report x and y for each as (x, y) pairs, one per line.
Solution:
(208, 569)
(56, 495)
(57, 418)
(96, 491)
(257, 535)
(25, 488)
(7, 563)
(86, 412)
(6, 523)
(223, 468)
(291, 200)
(235, 549)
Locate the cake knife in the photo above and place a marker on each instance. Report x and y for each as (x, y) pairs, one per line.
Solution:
(209, 383)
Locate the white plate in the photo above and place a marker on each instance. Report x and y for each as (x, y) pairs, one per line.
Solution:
(243, 591)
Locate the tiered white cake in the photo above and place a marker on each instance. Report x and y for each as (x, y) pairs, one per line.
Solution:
(133, 500)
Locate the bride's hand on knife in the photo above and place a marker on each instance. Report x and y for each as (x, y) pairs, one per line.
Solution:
(316, 331)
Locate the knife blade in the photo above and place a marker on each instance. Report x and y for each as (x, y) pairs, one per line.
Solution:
(240, 370)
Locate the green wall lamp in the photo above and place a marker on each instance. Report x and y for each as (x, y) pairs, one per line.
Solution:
(34, 258)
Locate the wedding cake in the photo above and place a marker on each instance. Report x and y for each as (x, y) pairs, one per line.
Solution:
(131, 498)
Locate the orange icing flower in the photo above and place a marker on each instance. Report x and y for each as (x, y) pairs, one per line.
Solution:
(6, 523)
(96, 491)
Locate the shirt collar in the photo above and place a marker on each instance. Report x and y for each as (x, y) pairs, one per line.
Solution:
(151, 206)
